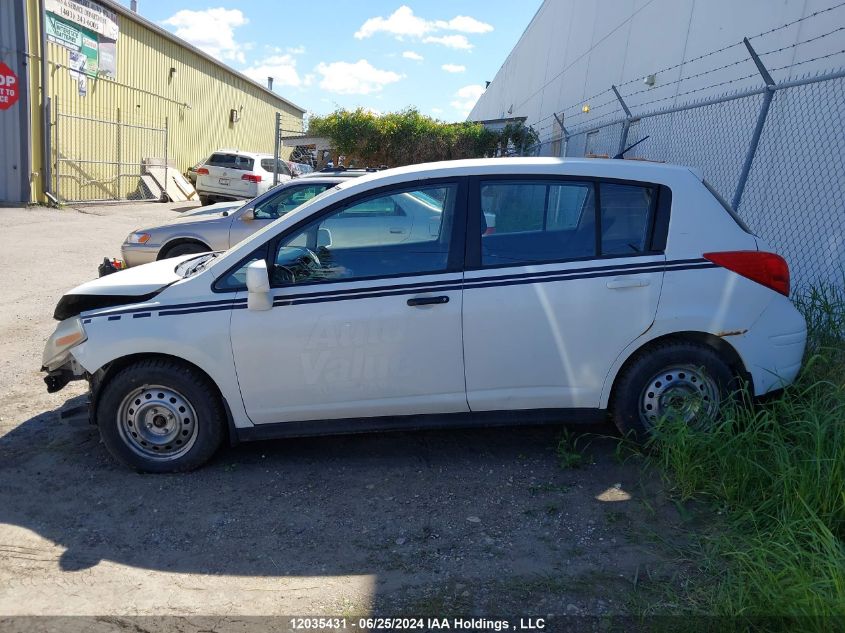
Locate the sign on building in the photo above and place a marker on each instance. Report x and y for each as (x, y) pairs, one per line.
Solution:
(8, 87)
(87, 29)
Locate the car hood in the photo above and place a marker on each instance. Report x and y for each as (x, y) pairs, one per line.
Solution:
(131, 285)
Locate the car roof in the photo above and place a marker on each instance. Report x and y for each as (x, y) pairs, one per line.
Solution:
(337, 173)
(242, 153)
(621, 169)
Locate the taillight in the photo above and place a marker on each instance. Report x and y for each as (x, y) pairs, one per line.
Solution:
(202, 171)
(490, 230)
(765, 268)
(251, 177)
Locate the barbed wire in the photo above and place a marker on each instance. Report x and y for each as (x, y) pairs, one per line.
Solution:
(727, 47)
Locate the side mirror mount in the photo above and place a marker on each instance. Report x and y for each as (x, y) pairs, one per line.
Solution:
(248, 215)
(324, 238)
(259, 296)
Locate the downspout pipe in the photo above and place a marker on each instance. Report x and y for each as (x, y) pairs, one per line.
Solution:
(46, 167)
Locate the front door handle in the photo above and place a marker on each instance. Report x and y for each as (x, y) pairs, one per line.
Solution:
(627, 282)
(428, 301)
(397, 231)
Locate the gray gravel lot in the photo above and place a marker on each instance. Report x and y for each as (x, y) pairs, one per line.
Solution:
(480, 521)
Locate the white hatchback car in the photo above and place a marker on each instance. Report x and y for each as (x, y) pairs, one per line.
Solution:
(609, 288)
(230, 174)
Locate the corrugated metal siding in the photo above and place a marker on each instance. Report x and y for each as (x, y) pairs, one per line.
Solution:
(13, 163)
(196, 102)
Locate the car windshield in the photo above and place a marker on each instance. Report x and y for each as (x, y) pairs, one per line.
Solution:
(194, 265)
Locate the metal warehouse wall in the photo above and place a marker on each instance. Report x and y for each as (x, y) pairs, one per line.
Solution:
(196, 102)
(14, 166)
(573, 50)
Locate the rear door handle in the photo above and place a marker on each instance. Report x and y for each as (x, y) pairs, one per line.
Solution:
(397, 231)
(428, 301)
(627, 282)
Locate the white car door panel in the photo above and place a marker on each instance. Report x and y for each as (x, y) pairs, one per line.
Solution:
(352, 350)
(547, 338)
(540, 334)
(360, 326)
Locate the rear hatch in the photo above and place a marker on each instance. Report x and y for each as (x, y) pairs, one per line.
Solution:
(228, 174)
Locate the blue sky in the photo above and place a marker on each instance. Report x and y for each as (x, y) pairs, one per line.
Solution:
(383, 55)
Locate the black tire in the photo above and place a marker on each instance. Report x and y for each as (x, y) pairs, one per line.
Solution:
(190, 386)
(206, 200)
(186, 248)
(666, 362)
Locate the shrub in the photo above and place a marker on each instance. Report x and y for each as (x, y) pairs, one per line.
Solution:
(408, 137)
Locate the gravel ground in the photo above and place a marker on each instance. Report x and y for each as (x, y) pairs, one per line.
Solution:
(464, 522)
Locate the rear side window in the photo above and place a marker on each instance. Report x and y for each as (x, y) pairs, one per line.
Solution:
(626, 212)
(526, 222)
(267, 165)
(728, 207)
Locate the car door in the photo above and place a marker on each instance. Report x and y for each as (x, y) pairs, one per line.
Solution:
(358, 328)
(270, 207)
(568, 279)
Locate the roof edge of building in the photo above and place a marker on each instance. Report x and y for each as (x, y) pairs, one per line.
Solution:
(115, 6)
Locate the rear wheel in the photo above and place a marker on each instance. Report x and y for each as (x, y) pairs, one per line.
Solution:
(160, 416)
(680, 379)
(186, 248)
(206, 200)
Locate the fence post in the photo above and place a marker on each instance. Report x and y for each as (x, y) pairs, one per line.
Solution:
(276, 148)
(758, 128)
(166, 174)
(49, 157)
(118, 176)
(623, 138)
(564, 134)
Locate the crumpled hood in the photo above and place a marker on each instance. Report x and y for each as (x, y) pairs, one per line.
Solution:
(126, 286)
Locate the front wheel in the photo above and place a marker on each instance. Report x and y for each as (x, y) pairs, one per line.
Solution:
(678, 379)
(160, 416)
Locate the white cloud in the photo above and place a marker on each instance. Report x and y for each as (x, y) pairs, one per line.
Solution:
(437, 110)
(464, 24)
(459, 42)
(412, 55)
(403, 23)
(453, 68)
(282, 68)
(360, 78)
(211, 30)
(466, 98)
(296, 50)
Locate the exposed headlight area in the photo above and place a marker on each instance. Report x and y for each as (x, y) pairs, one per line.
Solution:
(138, 238)
(68, 334)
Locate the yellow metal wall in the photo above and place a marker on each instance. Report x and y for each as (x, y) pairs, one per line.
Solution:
(196, 102)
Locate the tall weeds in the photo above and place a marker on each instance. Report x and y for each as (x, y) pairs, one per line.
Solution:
(776, 470)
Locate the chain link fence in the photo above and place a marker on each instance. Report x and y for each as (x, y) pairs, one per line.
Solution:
(108, 156)
(782, 163)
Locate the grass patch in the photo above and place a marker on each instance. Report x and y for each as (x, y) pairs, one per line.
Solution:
(775, 471)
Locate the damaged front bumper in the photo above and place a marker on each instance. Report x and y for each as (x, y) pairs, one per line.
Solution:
(59, 376)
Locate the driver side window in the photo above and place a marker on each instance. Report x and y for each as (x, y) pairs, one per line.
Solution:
(405, 231)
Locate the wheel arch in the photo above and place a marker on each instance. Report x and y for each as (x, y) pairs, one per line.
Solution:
(716, 343)
(106, 373)
(177, 241)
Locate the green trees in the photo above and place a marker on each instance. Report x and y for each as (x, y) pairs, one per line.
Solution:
(408, 137)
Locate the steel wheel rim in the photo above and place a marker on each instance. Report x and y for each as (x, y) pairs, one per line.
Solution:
(684, 392)
(157, 422)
